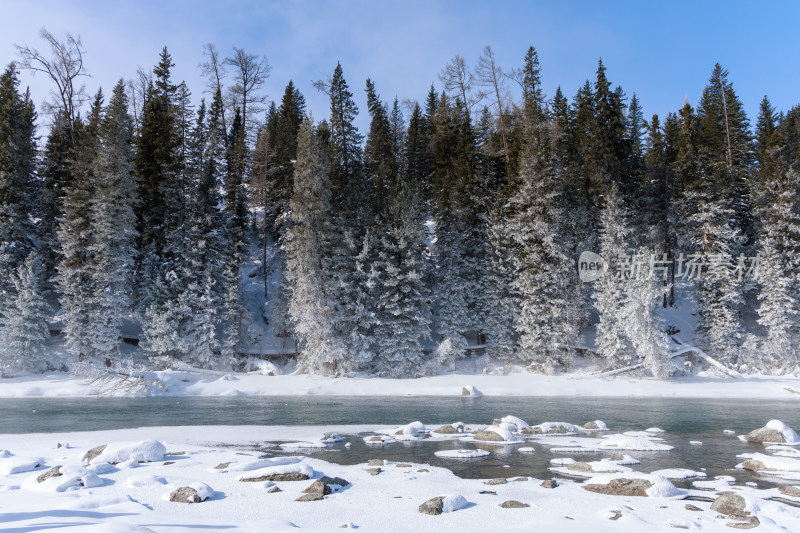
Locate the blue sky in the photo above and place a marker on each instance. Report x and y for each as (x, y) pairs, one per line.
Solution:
(663, 51)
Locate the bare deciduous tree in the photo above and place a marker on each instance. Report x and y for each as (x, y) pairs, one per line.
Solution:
(456, 77)
(214, 69)
(137, 93)
(251, 71)
(490, 75)
(63, 68)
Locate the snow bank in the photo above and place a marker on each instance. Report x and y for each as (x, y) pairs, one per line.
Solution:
(262, 463)
(788, 433)
(461, 454)
(12, 464)
(143, 452)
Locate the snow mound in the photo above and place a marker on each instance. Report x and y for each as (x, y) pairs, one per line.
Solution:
(526, 449)
(788, 433)
(412, 431)
(461, 454)
(145, 481)
(204, 492)
(143, 452)
(262, 463)
(518, 422)
(12, 464)
(294, 468)
(654, 430)
(678, 473)
(453, 502)
(555, 428)
(71, 478)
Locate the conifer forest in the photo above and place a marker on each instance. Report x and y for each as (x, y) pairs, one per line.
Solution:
(153, 225)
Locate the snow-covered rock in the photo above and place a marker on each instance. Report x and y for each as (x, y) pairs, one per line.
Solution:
(143, 452)
(292, 471)
(495, 434)
(595, 425)
(518, 422)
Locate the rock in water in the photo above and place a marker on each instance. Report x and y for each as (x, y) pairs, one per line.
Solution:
(432, 506)
(622, 487)
(513, 504)
(446, 429)
(487, 435)
(765, 435)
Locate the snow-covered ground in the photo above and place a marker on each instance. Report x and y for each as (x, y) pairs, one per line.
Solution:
(206, 383)
(132, 495)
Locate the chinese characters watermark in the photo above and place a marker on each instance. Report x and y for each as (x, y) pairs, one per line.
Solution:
(691, 267)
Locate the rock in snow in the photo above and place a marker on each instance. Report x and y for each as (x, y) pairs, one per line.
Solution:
(443, 504)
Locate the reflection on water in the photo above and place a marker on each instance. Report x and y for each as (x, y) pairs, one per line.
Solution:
(682, 419)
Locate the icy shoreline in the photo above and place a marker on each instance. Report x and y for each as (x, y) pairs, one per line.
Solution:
(121, 481)
(189, 383)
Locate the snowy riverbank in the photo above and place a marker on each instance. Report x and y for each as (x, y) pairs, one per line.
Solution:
(126, 486)
(189, 383)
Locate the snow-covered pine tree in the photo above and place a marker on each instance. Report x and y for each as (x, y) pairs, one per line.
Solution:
(24, 332)
(610, 290)
(500, 291)
(403, 318)
(307, 249)
(17, 160)
(779, 295)
(112, 229)
(640, 320)
(718, 292)
(544, 277)
(75, 269)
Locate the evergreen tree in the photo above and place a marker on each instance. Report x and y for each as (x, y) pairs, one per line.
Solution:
(609, 294)
(112, 229)
(24, 331)
(308, 252)
(17, 159)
